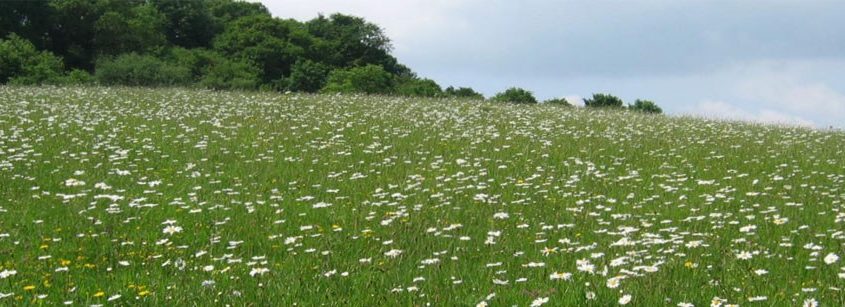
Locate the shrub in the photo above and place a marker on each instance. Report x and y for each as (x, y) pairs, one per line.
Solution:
(603, 101)
(144, 70)
(463, 92)
(645, 106)
(229, 74)
(307, 76)
(21, 63)
(515, 95)
(370, 79)
(418, 88)
(558, 101)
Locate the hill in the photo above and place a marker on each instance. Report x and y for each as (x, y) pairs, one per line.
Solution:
(191, 197)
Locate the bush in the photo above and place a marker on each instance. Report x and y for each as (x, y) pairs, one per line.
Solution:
(21, 63)
(645, 106)
(558, 101)
(515, 95)
(418, 88)
(144, 70)
(227, 74)
(76, 76)
(603, 101)
(307, 76)
(370, 79)
(463, 92)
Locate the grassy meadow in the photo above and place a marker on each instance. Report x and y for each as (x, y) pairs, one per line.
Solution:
(171, 197)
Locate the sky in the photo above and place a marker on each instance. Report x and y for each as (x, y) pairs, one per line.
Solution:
(771, 61)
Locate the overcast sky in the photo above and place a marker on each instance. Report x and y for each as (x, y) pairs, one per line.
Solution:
(772, 61)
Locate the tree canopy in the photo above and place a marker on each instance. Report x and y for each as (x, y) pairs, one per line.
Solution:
(216, 44)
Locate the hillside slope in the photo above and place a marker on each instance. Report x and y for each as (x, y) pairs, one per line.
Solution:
(182, 197)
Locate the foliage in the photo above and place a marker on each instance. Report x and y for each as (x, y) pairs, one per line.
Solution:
(307, 76)
(270, 43)
(222, 73)
(415, 87)
(515, 95)
(645, 106)
(139, 30)
(21, 63)
(346, 41)
(462, 92)
(193, 35)
(558, 101)
(189, 24)
(603, 101)
(143, 70)
(369, 79)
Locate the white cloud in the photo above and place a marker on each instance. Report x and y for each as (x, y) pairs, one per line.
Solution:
(723, 110)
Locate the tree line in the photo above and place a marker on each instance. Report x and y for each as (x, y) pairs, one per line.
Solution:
(216, 44)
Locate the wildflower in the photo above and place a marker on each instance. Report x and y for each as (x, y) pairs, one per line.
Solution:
(258, 271)
(171, 229)
(563, 276)
(539, 301)
(393, 253)
(6, 273)
(614, 282)
(831, 258)
(810, 302)
(744, 255)
(625, 299)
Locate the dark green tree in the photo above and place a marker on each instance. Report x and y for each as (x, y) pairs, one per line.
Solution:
(22, 63)
(28, 19)
(515, 95)
(603, 101)
(416, 87)
(143, 70)
(226, 11)
(224, 74)
(645, 106)
(271, 44)
(307, 76)
(73, 30)
(558, 101)
(346, 41)
(370, 79)
(462, 92)
(140, 29)
(189, 23)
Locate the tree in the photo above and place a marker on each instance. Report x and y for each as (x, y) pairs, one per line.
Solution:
(307, 76)
(515, 95)
(21, 63)
(462, 92)
(73, 30)
(603, 101)
(271, 44)
(228, 74)
(416, 87)
(140, 30)
(347, 41)
(370, 79)
(558, 101)
(143, 70)
(226, 11)
(189, 23)
(28, 19)
(645, 106)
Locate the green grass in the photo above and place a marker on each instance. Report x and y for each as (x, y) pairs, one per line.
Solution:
(241, 173)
